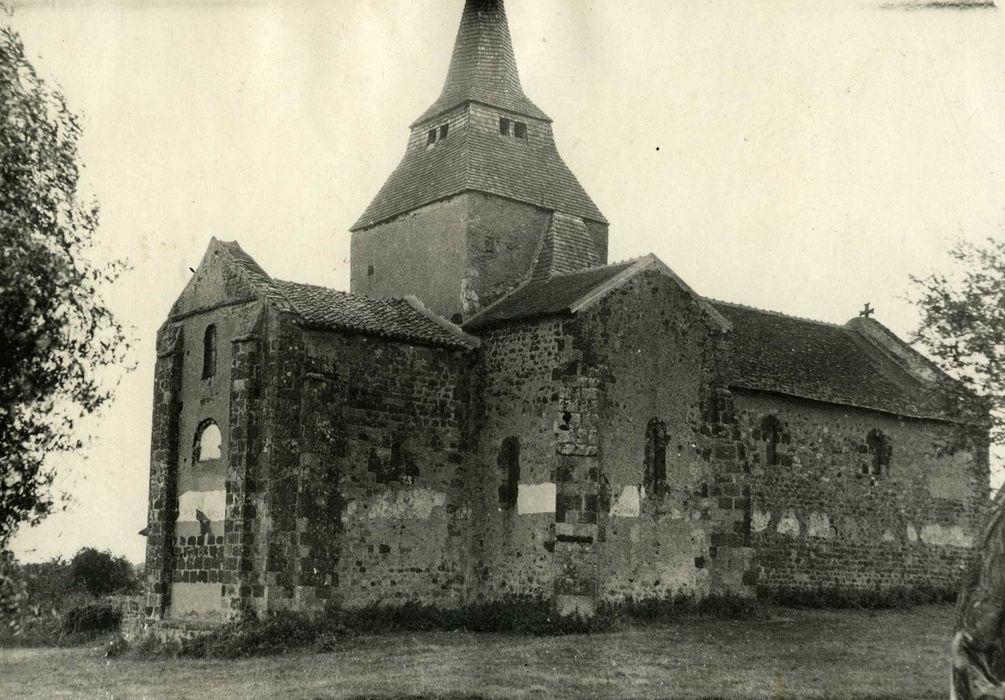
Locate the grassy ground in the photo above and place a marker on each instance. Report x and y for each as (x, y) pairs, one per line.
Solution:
(791, 654)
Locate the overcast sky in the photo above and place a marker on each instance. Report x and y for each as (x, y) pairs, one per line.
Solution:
(799, 156)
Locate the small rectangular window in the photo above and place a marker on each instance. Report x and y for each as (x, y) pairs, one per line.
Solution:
(443, 131)
(520, 130)
(504, 126)
(431, 138)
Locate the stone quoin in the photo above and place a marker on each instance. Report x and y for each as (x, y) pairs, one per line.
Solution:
(496, 411)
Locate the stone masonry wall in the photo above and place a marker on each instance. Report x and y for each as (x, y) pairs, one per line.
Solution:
(384, 510)
(520, 413)
(818, 520)
(660, 359)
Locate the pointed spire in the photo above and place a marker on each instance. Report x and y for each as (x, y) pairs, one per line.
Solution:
(483, 66)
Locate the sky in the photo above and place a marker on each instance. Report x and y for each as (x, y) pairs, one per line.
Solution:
(805, 157)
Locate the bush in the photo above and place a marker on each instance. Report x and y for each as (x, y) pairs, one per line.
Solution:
(91, 619)
(902, 597)
(100, 573)
(682, 604)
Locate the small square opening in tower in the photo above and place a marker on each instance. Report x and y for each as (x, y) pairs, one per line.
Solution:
(504, 126)
(443, 131)
(369, 270)
(431, 137)
(520, 130)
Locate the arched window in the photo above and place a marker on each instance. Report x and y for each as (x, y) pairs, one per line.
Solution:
(771, 432)
(879, 451)
(656, 456)
(207, 442)
(509, 467)
(209, 352)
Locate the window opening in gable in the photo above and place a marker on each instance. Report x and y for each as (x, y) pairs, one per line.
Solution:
(430, 138)
(520, 130)
(509, 467)
(503, 126)
(880, 451)
(444, 129)
(207, 442)
(771, 433)
(657, 440)
(209, 352)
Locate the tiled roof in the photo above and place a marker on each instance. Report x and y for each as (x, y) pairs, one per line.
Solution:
(483, 67)
(404, 319)
(565, 247)
(810, 359)
(472, 158)
(554, 296)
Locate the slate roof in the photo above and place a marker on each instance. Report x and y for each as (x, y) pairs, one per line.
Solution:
(483, 66)
(327, 309)
(474, 156)
(530, 171)
(554, 296)
(799, 357)
(565, 247)
(403, 319)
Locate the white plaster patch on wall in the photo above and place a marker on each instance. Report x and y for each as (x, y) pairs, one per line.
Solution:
(952, 536)
(888, 535)
(627, 505)
(912, 534)
(759, 520)
(407, 504)
(212, 504)
(788, 525)
(819, 525)
(536, 498)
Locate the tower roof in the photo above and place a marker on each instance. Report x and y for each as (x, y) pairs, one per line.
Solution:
(483, 66)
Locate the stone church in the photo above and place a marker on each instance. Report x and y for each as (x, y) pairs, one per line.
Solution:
(495, 410)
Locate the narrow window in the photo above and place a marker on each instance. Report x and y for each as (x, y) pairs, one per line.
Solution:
(209, 352)
(509, 467)
(369, 270)
(880, 451)
(431, 138)
(443, 131)
(207, 442)
(771, 431)
(504, 126)
(520, 130)
(656, 456)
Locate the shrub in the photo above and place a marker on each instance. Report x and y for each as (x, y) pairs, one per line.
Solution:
(91, 619)
(683, 604)
(100, 573)
(901, 597)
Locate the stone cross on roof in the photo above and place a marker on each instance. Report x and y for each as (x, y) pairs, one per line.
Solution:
(867, 311)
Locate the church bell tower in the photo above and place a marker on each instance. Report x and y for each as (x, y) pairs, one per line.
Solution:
(482, 201)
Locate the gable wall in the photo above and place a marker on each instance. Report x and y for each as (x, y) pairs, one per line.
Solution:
(817, 521)
(657, 354)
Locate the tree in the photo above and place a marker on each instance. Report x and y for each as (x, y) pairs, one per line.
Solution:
(963, 326)
(56, 334)
(100, 573)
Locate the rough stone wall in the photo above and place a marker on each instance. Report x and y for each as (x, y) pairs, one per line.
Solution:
(163, 501)
(502, 241)
(384, 506)
(421, 253)
(199, 555)
(819, 521)
(520, 399)
(660, 360)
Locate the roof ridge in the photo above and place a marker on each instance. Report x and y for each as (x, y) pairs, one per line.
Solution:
(772, 312)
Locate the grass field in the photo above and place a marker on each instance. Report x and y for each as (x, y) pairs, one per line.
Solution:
(790, 654)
